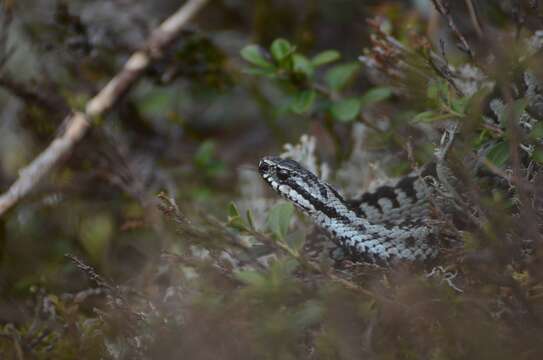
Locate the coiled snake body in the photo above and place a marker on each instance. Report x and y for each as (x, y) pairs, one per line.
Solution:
(382, 226)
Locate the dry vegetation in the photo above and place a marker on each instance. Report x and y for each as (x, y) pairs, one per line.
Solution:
(139, 228)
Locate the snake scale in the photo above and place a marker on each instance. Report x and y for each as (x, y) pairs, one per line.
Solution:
(383, 226)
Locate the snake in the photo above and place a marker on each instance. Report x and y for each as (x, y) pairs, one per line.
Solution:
(384, 226)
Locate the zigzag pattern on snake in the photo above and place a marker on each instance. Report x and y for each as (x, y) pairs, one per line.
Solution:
(380, 227)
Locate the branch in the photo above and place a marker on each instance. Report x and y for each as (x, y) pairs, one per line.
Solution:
(442, 7)
(78, 123)
(312, 267)
(474, 19)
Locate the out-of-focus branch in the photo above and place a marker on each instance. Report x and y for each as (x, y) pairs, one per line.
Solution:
(30, 96)
(474, 18)
(78, 123)
(442, 7)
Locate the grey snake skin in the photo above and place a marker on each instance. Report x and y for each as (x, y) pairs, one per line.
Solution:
(381, 227)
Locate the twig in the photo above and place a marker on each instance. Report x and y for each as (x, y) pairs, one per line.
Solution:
(91, 273)
(170, 208)
(78, 123)
(509, 178)
(474, 18)
(311, 266)
(443, 8)
(29, 96)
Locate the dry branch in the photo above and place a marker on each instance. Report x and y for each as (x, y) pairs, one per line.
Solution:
(79, 122)
(443, 7)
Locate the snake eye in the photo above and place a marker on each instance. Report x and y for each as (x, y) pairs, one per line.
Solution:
(282, 174)
(263, 167)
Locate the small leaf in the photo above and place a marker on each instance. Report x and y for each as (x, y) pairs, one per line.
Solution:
(426, 116)
(250, 277)
(296, 240)
(279, 219)
(514, 109)
(459, 105)
(300, 64)
(375, 95)
(325, 57)
(95, 234)
(437, 89)
(498, 153)
(303, 101)
(250, 219)
(235, 220)
(204, 154)
(310, 314)
(253, 54)
(157, 101)
(283, 268)
(232, 210)
(537, 155)
(537, 131)
(345, 110)
(338, 76)
(269, 71)
(280, 49)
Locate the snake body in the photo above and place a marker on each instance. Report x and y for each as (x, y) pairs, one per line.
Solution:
(380, 227)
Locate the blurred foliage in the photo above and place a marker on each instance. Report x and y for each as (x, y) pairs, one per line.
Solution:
(212, 267)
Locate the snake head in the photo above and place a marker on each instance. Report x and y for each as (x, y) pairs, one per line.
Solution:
(293, 182)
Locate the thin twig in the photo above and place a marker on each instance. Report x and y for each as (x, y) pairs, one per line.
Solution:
(443, 8)
(520, 182)
(30, 96)
(311, 266)
(474, 18)
(78, 123)
(91, 273)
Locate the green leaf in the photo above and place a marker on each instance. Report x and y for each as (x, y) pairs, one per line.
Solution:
(345, 110)
(250, 277)
(279, 219)
(235, 220)
(301, 64)
(233, 211)
(437, 90)
(303, 101)
(498, 153)
(95, 234)
(426, 116)
(339, 76)
(296, 240)
(538, 155)
(205, 159)
(459, 105)
(269, 72)
(250, 219)
(281, 49)
(205, 152)
(325, 57)
(537, 131)
(157, 101)
(375, 95)
(310, 314)
(283, 268)
(253, 54)
(514, 109)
